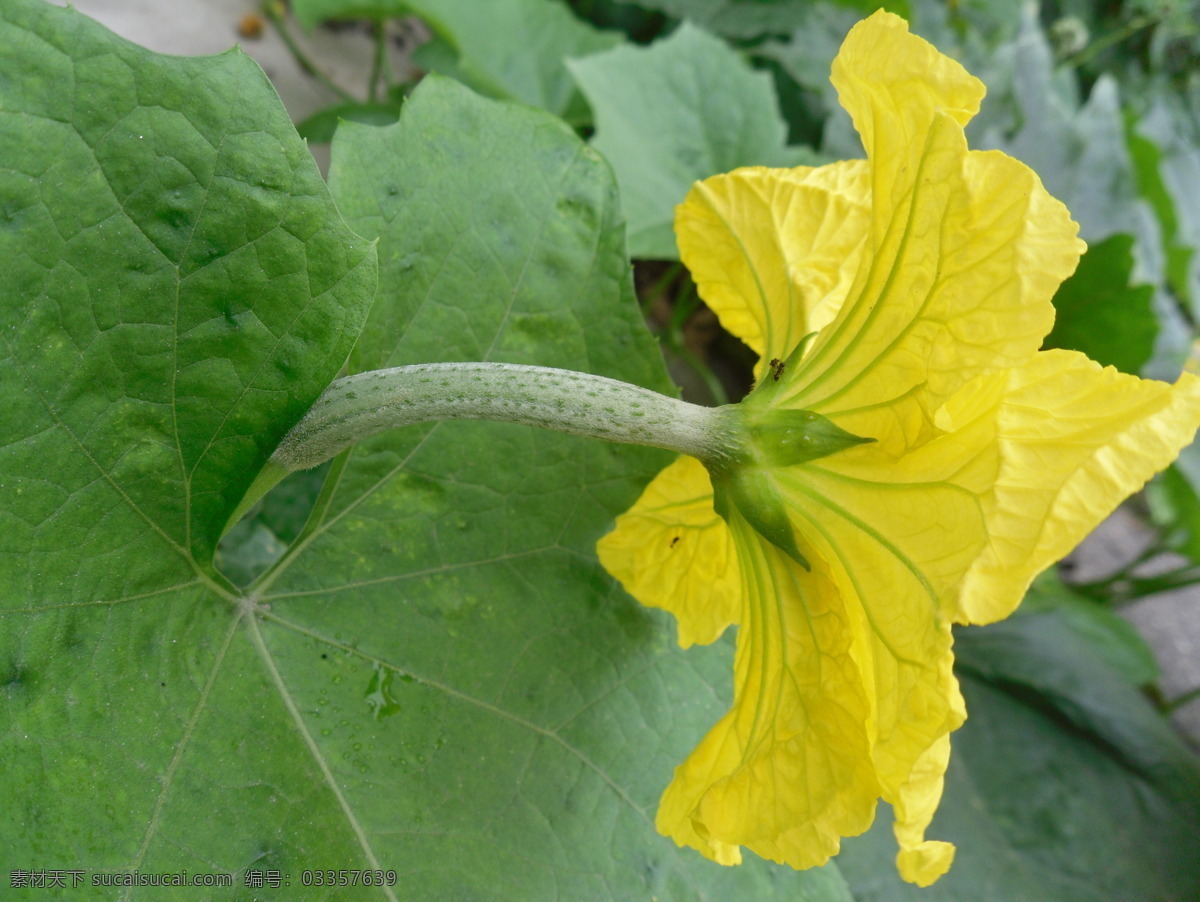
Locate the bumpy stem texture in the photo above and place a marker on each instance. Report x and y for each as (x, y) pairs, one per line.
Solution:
(359, 406)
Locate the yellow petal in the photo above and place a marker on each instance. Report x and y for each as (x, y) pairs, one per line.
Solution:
(893, 84)
(929, 272)
(897, 551)
(966, 249)
(1074, 440)
(787, 772)
(975, 297)
(922, 861)
(672, 551)
(774, 251)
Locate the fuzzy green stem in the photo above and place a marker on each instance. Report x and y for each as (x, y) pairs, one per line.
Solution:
(356, 407)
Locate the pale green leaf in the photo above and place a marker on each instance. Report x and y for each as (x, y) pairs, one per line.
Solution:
(512, 49)
(683, 109)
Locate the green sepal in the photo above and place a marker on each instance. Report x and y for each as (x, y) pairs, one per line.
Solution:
(750, 493)
(766, 439)
(783, 437)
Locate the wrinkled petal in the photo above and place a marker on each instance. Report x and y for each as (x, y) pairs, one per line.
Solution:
(860, 631)
(896, 550)
(672, 551)
(787, 771)
(774, 251)
(893, 84)
(1074, 440)
(922, 861)
(966, 253)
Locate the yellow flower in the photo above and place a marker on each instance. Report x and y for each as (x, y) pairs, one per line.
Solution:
(949, 460)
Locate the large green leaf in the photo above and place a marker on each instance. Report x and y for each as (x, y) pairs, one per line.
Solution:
(175, 272)
(179, 288)
(1112, 638)
(509, 49)
(683, 109)
(1064, 783)
(512, 49)
(436, 678)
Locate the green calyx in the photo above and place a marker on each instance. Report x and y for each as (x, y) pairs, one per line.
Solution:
(751, 493)
(768, 440)
(783, 438)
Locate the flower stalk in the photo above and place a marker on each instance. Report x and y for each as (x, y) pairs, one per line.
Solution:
(356, 407)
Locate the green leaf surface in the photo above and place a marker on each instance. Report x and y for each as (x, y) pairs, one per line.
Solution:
(1064, 783)
(507, 717)
(1099, 312)
(754, 18)
(1049, 654)
(436, 678)
(683, 109)
(179, 289)
(511, 49)
(1113, 639)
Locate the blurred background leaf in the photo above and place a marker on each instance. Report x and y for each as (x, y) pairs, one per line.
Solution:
(682, 109)
(1098, 310)
(527, 64)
